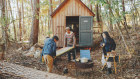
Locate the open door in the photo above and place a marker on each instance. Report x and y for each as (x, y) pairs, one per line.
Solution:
(85, 31)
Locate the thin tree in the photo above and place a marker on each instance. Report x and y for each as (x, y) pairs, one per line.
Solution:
(90, 5)
(60, 1)
(35, 23)
(23, 18)
(50, 12)
(12, 20)
(125, 22)
(20, 28)
(4, 27)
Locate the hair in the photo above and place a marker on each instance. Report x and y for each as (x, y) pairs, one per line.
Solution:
(108, 38)
(47, 37)
(56, 37)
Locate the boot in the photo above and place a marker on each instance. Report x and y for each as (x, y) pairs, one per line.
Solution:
(109, 71)
(105, 69)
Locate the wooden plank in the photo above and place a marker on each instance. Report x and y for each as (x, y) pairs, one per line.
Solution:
(80, 12)
(62, 33)
(54, 26)
(57, 27)
(86, 12)
(60, 16)
(63, 50)
(70, 8)
(74, 14)
(76, 9)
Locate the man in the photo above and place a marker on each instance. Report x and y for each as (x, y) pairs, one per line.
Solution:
(70, 41)
(41, 56)
(49, 52)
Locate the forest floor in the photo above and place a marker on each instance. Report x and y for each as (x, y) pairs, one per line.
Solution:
(14, 71)
(128, 68)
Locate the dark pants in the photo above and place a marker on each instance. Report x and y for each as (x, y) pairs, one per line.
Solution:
(73, 51)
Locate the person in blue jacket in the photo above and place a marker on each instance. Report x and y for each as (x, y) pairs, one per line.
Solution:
(108, 45)
(49, 52)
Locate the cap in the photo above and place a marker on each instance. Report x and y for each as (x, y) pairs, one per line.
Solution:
(67, 28)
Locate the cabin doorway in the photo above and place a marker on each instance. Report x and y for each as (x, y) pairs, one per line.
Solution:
(73, 23)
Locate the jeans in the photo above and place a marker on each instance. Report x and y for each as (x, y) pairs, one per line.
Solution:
(73, 51)
(103, 61)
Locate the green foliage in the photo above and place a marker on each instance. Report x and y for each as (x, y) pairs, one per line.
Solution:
(49, 32)
(115, 6)
(4, 21)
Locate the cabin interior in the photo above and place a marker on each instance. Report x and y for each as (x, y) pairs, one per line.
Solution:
(73, 23)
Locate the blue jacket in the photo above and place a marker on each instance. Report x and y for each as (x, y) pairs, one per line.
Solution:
(49, 48)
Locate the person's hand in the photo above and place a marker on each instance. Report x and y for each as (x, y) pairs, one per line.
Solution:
(103, 45)
(73, 46)
(113, 52)
(54, 57)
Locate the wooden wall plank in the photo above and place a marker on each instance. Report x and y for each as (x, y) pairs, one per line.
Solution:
(80, 10)
(53, 25)
(74, 14)
(76, 9)
(70, 6)
(85, 12)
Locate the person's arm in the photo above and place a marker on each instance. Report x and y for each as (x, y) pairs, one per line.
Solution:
(113, 45)
(74, 41)
(54, 49)
(102, 44)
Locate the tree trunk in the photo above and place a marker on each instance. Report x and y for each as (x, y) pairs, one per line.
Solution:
(23, 29)
(50, 19)
(90, 5)
(98, 17)
(13, 21)
(125, 22)
(135, 12)
(35, 23)
(118, 26)
(97, 13)
(4, 27)
(20, 29)
(50, 11)
(32, 4)
(110, 15)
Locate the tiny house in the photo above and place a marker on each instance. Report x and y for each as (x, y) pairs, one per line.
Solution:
(76, 15)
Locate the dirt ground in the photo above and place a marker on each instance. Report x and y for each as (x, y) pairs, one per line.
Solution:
(128, 68)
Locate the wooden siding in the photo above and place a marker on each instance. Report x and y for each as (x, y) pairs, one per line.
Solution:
(71, 8)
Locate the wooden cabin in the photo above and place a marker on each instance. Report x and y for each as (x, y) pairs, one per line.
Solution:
(76, 15)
